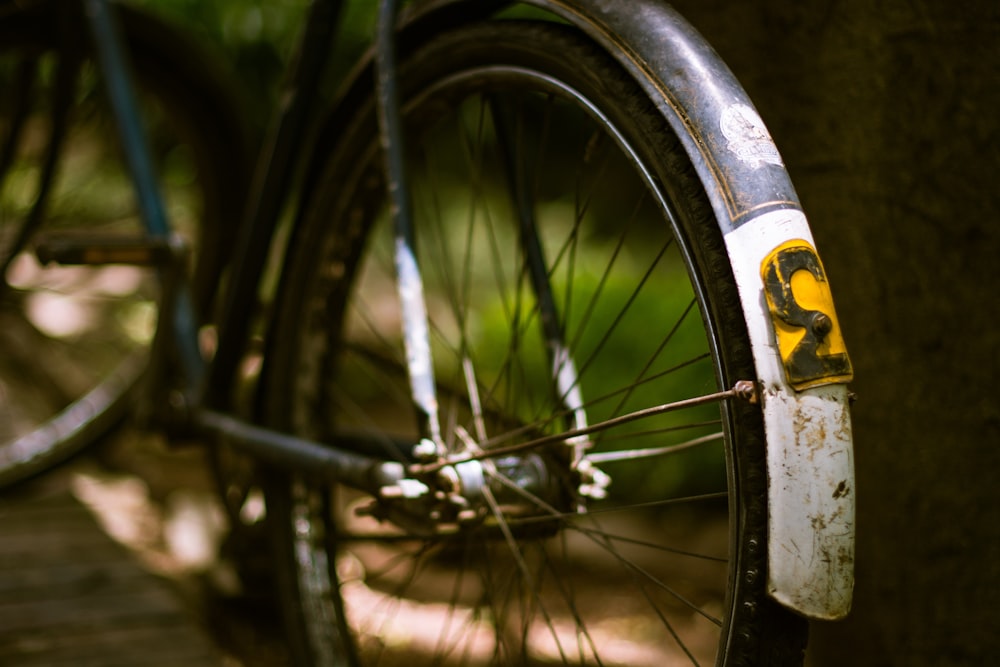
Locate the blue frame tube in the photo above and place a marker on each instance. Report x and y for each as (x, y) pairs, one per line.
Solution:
(118, 83)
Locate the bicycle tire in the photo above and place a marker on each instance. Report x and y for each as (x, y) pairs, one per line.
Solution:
(196, 111)
(331, 367)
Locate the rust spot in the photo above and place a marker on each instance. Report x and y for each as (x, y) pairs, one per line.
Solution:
(747, 391)
(841, 489)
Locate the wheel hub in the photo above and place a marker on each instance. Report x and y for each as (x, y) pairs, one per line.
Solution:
(469, 492)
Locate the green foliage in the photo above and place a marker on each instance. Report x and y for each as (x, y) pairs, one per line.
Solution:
(258, 38)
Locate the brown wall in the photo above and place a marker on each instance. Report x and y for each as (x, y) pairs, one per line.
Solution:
(888, 116)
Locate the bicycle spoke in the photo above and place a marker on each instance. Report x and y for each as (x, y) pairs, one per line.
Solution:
(606, 541)
(571, 520)
(633, 454)
(518, 557)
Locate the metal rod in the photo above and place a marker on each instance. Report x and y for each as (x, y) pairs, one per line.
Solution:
(114, 67)
(305, 456)
(117, 81)
(633, 454)
(416, 332)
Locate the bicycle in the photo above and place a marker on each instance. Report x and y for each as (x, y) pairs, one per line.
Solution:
(552, 372)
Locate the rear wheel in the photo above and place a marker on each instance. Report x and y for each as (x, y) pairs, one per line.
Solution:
(75, 338)
(574, 277)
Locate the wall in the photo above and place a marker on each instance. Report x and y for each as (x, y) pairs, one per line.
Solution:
(887, 115)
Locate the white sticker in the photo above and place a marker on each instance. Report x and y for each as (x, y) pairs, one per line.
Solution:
(748, 137)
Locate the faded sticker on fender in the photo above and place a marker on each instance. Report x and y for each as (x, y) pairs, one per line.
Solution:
(747, 136)
(806, 328)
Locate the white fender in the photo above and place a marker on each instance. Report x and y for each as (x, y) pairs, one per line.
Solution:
(809, 447)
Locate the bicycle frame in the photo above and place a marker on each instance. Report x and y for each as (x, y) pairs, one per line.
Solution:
(809, 459)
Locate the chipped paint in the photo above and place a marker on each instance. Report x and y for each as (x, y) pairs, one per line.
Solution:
(810, 463)
(811, 503)
(747, 137)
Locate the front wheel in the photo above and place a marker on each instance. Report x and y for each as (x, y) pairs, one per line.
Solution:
(575, 278)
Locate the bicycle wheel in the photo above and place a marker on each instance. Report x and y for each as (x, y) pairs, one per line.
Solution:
(76, 338)
(527, 144)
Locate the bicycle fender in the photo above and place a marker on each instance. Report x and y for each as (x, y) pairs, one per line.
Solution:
(798, 350)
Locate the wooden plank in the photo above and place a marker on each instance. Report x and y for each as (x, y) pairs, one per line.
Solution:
(44, 582)
(159, 645)
(70, 595)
